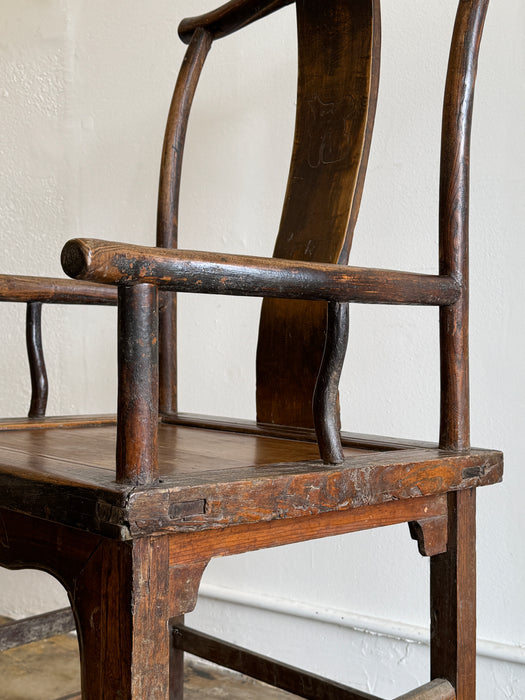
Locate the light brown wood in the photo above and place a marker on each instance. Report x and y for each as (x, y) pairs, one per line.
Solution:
(377, 443)
(435, 690)
(200, 546)
(431, 534)
(56, 422)
(239, 477)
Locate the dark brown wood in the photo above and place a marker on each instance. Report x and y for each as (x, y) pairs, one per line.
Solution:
(339, 53)
(377, 443)
(435, 690)
(168, 206)
(454, 220)
(137, 415)
(176, 664)
(453, 599)
(56, 422)
(293, 680)
(30, 629)
(121, 601)
(175, 138)
(122, 595)
(326, 400)
(245, 275)
(37, 365)
(131, 551)
(431, 535)
(55, 291)
(230, 17)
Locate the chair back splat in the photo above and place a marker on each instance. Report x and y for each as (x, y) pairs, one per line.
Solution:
(131, 545)
(338, 53)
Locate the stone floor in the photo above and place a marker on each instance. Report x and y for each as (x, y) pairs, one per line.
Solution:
(49, 670)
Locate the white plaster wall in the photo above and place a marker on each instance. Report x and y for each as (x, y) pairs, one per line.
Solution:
(84, 90)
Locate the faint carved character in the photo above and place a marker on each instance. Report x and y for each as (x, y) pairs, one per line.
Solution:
(330, 134)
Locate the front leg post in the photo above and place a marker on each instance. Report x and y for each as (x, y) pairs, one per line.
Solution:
(121, 603)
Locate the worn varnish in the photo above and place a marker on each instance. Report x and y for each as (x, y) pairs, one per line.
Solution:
(127, 513)
(245, 275)
(215, 479)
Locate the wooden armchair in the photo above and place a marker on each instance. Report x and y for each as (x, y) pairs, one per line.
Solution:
(130, 547)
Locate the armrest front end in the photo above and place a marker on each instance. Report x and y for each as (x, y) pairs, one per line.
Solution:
(242, 275)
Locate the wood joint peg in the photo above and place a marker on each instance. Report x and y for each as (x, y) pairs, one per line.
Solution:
(431, 535)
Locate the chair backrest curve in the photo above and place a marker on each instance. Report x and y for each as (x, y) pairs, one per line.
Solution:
(338, 53)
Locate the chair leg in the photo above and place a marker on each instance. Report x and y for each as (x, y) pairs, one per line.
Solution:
(453, 599)
(120, 600)
(176, 664)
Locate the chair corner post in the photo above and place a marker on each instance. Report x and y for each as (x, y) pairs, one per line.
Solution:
(138, 385)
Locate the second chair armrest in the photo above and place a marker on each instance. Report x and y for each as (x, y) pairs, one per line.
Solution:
(243, 275)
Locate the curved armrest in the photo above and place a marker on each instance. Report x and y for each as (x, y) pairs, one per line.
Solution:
(230, 17)
(51, 290)
(243, 275)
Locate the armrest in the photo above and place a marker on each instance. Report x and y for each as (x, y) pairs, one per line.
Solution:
(242, 275)
(34, 291)
(230, 17)
(55, 291)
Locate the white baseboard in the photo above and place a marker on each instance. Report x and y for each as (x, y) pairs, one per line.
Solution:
(354, 621)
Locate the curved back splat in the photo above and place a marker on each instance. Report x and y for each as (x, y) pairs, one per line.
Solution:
(339, 52)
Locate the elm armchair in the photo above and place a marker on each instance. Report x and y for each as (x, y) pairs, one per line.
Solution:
(130, 536)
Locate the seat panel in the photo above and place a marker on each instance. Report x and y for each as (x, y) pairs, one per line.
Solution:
(215, 478)
(50, 450)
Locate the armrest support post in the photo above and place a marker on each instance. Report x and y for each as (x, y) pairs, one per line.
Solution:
(138, 385)
(326, 399)
(35, 356)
